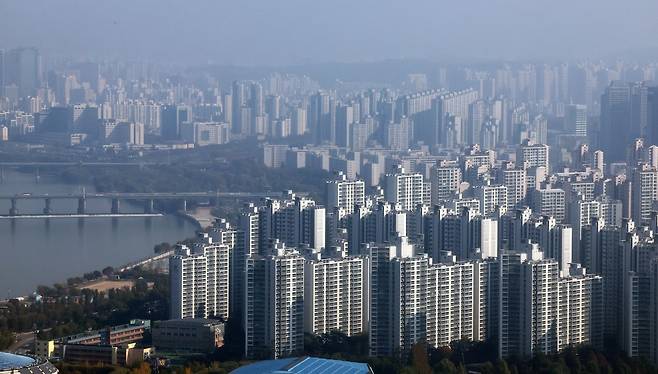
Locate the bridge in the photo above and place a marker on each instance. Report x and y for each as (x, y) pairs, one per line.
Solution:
(116, 198)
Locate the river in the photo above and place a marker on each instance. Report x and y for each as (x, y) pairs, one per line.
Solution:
(45, 251)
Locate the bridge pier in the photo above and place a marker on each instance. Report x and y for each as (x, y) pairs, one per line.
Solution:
(149, 207)
(115, 206)
(14, 208)
(82, 205)
(47, 209)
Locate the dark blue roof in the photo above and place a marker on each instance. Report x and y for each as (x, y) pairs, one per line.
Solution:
(12, 361)
(304, 365)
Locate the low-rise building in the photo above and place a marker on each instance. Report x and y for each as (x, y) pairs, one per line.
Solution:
(193, 335)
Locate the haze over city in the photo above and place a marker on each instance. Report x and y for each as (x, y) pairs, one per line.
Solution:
(295, 186)
(254, 32)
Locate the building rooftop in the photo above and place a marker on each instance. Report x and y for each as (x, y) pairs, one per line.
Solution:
(304, 365)
(12, 361)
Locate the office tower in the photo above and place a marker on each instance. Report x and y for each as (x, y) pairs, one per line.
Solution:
(405, 189)
(625, 110)
(644, 192)
(575, 120)
(274, 313)
(344, 194)
(493, 198)
(238, 101)
(398, 298)
(23, 69)
(514, 179)
(550, 202)
(172, 117)
(445, 182)
(199, 279)
(336, 295)
(531, 155)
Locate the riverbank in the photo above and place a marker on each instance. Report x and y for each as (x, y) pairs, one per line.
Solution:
(201, 216)
(38, 251)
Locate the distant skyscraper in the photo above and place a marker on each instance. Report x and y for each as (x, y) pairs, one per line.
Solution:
(23, 69)
(624, 117)
(575, 120)
(239, 100)
(172, 117)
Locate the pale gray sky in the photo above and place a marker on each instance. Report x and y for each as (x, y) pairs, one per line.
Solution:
(272, 32)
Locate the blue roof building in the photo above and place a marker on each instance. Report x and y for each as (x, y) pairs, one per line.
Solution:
(304, 365)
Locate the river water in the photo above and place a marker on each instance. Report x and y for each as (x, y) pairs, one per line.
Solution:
(45, 251)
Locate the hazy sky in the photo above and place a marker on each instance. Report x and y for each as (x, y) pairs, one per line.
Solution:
(272, 32)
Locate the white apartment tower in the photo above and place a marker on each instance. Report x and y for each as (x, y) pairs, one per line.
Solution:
(445, 183)
(336, 295)
(404, 189)
(274, 313)
(531, 155)
(345, 194)
(200, 279)
(492, 198)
